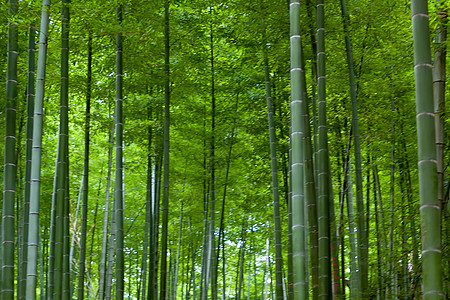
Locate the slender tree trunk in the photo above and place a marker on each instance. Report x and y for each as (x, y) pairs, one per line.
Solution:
(21, 282)
(392, 259)
(355, 278)
(84, 209)
(221, 238)
(275, 189)
(191, 281)
(59, 280)
(380, 294)
(439, 74)
(74, 237)
(211, 271)
(10, 164)
(148, 211)
(93, 238)
(154, 254)
(325, 291)
(240, 272)
(110, 258)
(345, 158)
(340, 236)
(360, 215)
(404, 275)
(266, 270)
(118, 183)
(67, 288)
(205, 239)
(33, 229)
(7, 234)
(430, 211)
(177, 262)
(310, 193)
(104, 247)
(165, 208)
(439, 78)
(381, 232)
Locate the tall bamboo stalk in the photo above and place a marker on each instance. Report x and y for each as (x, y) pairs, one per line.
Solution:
(165, 208)
(118, 183)
(439, 78)
(275, 189)
(439, 83)
(60, 203)
(10, 165)
(310, 193)
(33, 229)
(297, 164)
(363, 255)
(430, 210)
(29, 143)
(84, 206)
(104, 247)
(324, 174)
(381, 233)
(211, 273)
(148, 210)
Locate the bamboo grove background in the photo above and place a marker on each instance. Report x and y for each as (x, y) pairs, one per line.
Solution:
(224, 150)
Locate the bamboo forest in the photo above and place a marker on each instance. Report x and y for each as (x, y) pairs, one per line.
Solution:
(224, 150)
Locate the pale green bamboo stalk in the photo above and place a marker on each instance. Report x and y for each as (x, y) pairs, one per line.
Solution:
(355, 276)
(175, 283)
(33, 229)
(297, 164)
(342, 195)
(212, 271)
(75, 222)
(439, 78)
(10, 166)
(430, 210)
(290, 260)
(404, 278)
(104, 247)
(205, 243)
(241, 262)
(266, 267)
(84, 205)
(148, 210)
(249, 279)
(154, 236)
(110, 260)
(67, 287)
(439, 83)
(381, 233)
(29, 143)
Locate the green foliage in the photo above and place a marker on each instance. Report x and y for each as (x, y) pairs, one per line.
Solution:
(383, 57)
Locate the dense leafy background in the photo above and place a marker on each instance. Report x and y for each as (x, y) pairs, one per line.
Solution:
(383, 57)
